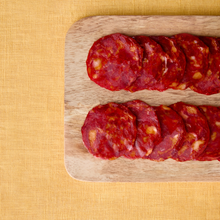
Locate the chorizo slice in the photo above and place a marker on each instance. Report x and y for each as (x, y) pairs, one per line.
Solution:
(176, 61)
(148, 129)
(212, 151)
(196, 53)
(114, 61)
(197, 133)
(172, 132)
(210, 83)
(154, 66)
(108, 130)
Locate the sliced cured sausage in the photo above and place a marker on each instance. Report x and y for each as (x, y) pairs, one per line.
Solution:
(172, 131)
(114, 61)
(197, 134)
(148, 129)
(212, 151)
(176, 61)
(210, 84)
(154, 66)
(214, 61)
(108, 130)
(196, 53)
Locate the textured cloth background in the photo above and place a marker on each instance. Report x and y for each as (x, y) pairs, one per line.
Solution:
(33, 179)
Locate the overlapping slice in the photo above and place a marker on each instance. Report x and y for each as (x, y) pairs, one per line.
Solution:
(197, 134)
(154, 66)
(114, 61)
(196, 53)
(210, 83)
(148, 129)
(212, 151)
(176, 61)
(109, 130)
(172, 131)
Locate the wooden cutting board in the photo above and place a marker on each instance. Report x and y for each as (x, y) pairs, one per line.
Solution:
(81, 95)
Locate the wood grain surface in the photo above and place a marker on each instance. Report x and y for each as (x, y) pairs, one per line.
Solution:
(81, 95)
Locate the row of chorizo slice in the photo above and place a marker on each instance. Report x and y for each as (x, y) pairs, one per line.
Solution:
(136, 130)
(182, 61)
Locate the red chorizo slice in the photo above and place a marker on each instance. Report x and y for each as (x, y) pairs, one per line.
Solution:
(114, 61)
(176, 61)
(196, 53)
(197, 132)
(212, 151)
(214, 61)
(108, 130)
(210, 84)
(154, 66)
(148, 129)
(172, 131)
(206, 86)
